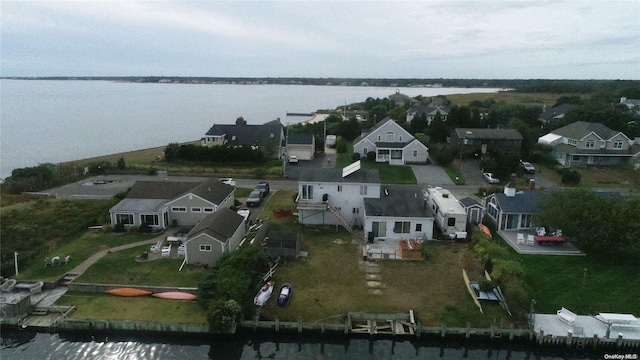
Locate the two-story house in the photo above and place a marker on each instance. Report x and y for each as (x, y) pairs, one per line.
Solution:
(435, 107)
(585, 143)
(335, 196)
(391, 143)
(161, 204)
(242, 134)
(482, 141)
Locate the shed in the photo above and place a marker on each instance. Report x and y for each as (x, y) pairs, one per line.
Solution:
(474, 208)
(283, 244)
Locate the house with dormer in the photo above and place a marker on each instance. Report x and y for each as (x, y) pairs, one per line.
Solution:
(429, 111)
(391, 143)
(161, 204)
(585, 143)
(243, 134)
(555, 113)
(511, 209)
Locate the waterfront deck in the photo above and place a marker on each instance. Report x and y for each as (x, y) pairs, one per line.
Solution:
(584, 326)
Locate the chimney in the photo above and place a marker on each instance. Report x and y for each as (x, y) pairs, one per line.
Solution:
(509, 191)
(241, 121)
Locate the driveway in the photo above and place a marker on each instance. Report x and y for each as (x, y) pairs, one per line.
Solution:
(432, 175)
(321, 160)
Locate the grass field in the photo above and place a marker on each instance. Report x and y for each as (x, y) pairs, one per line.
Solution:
(107, 307)
(535, 99)
(80, 249)
(161, 272)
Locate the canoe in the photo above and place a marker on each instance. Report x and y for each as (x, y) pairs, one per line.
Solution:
(128, 292)
(175, 295)
(284, 296)
(264, 294)
(485, 230)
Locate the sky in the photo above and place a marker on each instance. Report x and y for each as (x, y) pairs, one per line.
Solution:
(593, 39)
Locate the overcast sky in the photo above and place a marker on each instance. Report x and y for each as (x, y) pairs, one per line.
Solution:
(426, 39)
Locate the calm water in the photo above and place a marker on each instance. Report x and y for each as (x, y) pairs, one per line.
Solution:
(26, 345)
(55, 121)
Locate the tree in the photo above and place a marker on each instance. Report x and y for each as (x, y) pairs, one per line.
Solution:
(418, 124)
(579, 213)
(121, 164)
(223, 315)
(172, 152)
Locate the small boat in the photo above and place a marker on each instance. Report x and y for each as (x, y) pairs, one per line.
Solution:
(284, 296)
(264, 294)
(175, 295)
(485, 231)
(128, 292)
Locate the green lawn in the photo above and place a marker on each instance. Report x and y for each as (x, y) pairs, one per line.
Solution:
(80, 249)
(107, 307)
(161, 272)
(392, 174)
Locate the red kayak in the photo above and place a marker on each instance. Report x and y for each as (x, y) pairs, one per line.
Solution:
(128, 292)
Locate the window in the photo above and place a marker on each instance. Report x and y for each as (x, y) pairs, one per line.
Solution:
(572, 142)
(365, 151)
(400, 138)
(575, 158)
(396, 154)
(151, 220)
(307, 192)
(590, 144)
(415, 153)
(401, 227)
(379, 138)
(126, 219)
(206, 247)
(233, 138)
(339, 188)
(418, 227)
(617, 145)
(196, 209)
(179, 209)
(389, 137)
(451, 221)
(356, 210)
(208, 209)
(363, 189)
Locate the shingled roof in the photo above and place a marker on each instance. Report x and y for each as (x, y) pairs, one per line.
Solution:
(368, 176)
(580, 129)
(210, 189)
(242, 134)
(398, 201)
(220, 225)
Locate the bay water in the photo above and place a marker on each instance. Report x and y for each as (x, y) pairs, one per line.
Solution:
(55, 121)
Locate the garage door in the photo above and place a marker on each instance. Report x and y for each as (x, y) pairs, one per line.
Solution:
(301, 154)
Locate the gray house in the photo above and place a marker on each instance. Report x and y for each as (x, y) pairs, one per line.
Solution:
(481, 141)
(391, 143)
(242, 134)
(161, 204)
(430, 111)
(511, 210)
(215, 235)
(585, 143)
(400, 212)
(555, 113)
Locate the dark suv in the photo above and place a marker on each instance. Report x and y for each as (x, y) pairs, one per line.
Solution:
(263, 187)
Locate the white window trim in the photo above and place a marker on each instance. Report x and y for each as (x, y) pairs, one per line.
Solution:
(180, 209)
(206, 247)
(196, 209)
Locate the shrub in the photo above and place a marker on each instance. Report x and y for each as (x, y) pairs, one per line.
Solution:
(355, 156)
(570, 176)
(223, 315)
(119, 228)
(144, 228)
(371, 156)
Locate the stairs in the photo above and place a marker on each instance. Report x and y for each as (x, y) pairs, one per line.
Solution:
(69, 277)
(341, 218)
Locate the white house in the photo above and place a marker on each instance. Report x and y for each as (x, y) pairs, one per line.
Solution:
(391, 143)
(329, 196)
(450, 215)
(398, 213)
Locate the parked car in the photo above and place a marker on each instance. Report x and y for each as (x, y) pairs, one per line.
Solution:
(488, 177)
(255, 198)
(263, 187)
(246, 213)
(527, 167)
(293, 159)
(228, 181)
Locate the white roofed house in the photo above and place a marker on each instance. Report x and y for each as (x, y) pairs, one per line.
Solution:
(391, 143)
(214, 236)
(585, 143)
(336, 196)
(161, 204)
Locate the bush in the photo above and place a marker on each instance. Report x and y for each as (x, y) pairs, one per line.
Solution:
(223, 315)
(144, 228)
(119, 228)
(570, 176)
(356, 156)
(371, 156)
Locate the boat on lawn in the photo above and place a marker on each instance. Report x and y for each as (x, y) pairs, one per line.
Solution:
(284, 296)
(264, 294)
(175, 295)
(125, 291)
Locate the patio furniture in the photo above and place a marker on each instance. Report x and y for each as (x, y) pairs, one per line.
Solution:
(520, 239)
(166, 251)
(530, 240)
(181, 250)
(157, 247)
(566, 316)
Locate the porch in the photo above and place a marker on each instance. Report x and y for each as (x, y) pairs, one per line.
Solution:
(511, 238)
